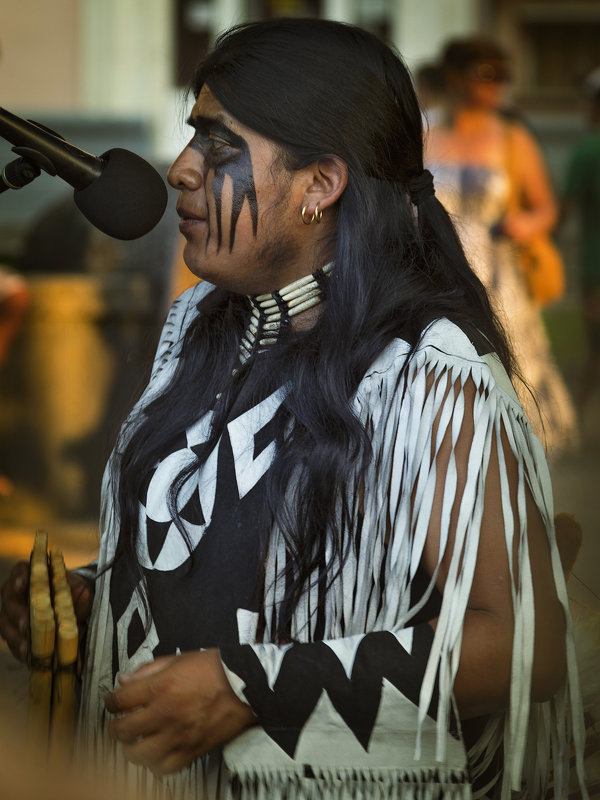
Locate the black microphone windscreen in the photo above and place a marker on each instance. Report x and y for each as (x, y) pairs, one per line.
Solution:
(127, 200)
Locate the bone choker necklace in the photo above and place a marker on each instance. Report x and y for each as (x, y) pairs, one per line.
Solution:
(272, 312)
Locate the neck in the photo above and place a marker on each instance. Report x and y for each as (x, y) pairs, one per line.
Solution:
(294, 305)
(467, 116)
(470, 120)
(306, 319)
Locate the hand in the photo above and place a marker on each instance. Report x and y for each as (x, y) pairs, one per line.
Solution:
(14, 614)
(82, 592)
(521, 226)
(175, 709)
(14, 617)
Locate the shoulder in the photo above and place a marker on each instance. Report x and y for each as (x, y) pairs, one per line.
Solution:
(184, 307)
(523, 145)
(518, 131)
(441, 339)
(439, 138)
(183, 311)
(444, 347)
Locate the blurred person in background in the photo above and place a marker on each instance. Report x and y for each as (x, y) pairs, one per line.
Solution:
(431, 92)
(14, 301)
(491, 177)
(582, 196)
(328, 562)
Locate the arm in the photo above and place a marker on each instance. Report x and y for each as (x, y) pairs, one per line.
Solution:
(288, 686)
(175, 709)
(538, 211)
(482, 684)
(479, 491)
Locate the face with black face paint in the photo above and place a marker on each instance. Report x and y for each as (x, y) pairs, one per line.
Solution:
(239, 207)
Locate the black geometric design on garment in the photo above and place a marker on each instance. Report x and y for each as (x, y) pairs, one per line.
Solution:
(309, 669)
(192, 510)
(179, 443)
(156, 533)
(206, 587)
(264, 437)
(219, 578)
(135, 634)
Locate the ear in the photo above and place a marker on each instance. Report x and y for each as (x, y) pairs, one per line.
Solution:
(327, 179)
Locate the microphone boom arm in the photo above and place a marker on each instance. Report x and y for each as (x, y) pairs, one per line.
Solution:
(83, 167)
(118, 192)
(18, 173)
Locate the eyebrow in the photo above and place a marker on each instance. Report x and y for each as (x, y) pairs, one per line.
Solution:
(211, 125)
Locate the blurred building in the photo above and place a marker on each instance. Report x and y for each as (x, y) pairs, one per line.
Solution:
(121, 58)
(113, 73)
(131, 60)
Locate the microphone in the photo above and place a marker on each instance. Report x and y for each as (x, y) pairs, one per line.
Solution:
(120, 194)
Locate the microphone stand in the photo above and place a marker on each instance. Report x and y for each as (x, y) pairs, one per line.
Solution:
(18, 173)
(119, 193)
(25, 169)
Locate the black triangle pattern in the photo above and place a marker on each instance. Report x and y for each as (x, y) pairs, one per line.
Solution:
(135, 634)
(192, 510)
(309, 669)
(156, 534)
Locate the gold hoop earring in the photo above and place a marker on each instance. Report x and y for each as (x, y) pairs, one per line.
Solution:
(316, 216)
(304, 219)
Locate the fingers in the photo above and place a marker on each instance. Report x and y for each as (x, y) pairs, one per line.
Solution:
(20, 578)
(157, 753)
(14, 614)
(132, 726)
(146, 743)
(17, 643)
(14, 621)
(146, 670)
(133, 695)
(82, 591)
(143, 743)
(141, 731)
(173, 710)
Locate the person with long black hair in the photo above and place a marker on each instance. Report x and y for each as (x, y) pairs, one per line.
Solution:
(328, 566)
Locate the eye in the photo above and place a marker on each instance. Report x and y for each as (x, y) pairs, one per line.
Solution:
(217, 144)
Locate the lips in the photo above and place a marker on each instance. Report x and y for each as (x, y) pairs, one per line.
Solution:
(187, 214)
(191, 220)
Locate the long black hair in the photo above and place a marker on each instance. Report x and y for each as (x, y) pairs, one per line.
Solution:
(316, 88)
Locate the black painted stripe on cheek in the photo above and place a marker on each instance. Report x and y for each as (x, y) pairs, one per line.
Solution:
(243, 186)
(217, 188)
(239, 169)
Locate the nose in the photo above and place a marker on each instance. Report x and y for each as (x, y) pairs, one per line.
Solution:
(186, 171)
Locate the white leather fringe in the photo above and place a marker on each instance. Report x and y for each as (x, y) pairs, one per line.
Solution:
(410, 411)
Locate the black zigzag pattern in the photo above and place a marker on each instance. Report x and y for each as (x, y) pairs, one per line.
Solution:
(309, 669)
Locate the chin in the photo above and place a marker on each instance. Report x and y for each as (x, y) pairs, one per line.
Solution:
(226, 282)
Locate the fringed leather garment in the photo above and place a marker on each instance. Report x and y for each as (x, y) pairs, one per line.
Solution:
(359, 703)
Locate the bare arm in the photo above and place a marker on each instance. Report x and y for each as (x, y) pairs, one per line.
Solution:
(538, 212)
(171, 711)
(482, 684)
